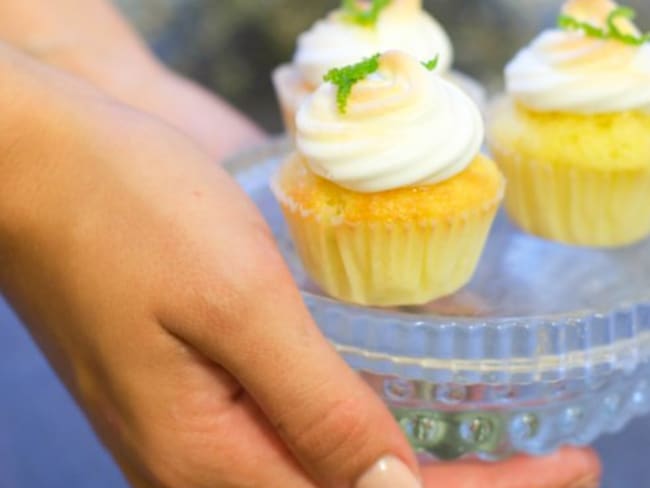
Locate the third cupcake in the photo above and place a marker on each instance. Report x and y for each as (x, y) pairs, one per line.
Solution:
(358, 30)
(572, 134)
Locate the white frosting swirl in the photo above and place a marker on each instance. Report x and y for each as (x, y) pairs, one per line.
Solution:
(404, 126)
(572, 72)
(403, 25)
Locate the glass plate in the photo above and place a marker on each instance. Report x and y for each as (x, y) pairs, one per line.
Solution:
(548, 344)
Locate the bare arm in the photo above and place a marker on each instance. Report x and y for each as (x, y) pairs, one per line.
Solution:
(90, 39)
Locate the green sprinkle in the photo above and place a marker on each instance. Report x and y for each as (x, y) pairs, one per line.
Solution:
(345, 78)
(610, 32)
(367, 16)
(568, 23)
(431, 64)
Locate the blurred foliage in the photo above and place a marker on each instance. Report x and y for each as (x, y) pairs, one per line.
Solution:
(232, 45)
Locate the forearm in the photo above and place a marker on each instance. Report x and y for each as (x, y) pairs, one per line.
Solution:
(90, 39)
(38, 128)
(50, 30)
(20, 128)
(20, 156)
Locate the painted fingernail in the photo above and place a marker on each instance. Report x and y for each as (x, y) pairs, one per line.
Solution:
(388, 472)
(589, 482)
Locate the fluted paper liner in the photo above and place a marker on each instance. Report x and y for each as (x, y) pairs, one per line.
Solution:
(388, 264)
(291, 91)
(580, 206)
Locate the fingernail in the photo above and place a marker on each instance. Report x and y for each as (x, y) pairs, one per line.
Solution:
(589, 482)
(389, 472)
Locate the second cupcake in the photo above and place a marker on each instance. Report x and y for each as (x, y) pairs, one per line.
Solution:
(387, 198)
(358, 30)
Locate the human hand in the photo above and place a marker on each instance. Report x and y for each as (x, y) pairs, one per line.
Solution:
(89, 39)
(157, 293)
(567, 468)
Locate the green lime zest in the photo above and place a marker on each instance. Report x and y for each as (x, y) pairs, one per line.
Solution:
(610, 32)
(432, 63)
(345, 78)
(366, 16)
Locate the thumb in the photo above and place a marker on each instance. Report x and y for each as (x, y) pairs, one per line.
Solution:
(336, 427)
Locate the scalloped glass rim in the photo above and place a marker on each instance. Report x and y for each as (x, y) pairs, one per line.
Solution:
(469, 349)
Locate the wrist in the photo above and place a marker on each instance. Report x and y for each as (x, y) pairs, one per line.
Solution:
(15, 133)
(36, 131)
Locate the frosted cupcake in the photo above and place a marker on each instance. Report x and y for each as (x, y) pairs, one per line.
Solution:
(387, 197)
(358, 30)
(572, 134)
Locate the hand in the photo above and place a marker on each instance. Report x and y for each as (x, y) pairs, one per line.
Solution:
(156, 291)
(89, 39)
(567, 468)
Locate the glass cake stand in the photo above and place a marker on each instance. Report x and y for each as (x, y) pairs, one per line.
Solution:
(548, 345)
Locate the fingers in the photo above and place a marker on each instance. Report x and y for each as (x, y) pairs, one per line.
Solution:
(191, 427)
(567, 468)
(251, 319)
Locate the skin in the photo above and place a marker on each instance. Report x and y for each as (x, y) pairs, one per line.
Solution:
(155, 288)
(92, 40)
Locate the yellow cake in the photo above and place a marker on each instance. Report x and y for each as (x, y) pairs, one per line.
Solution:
(367, 233)
(404, 246)
(572, 135)
(573, 178)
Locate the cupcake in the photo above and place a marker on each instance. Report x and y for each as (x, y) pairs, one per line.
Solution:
(358, 30)
(572, 132)
(387, 198)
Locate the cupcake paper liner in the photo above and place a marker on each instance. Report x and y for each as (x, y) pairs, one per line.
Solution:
(388, 264)
(291, 91)
(579, 206)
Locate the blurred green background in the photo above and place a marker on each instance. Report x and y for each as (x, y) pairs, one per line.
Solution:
(231, 46)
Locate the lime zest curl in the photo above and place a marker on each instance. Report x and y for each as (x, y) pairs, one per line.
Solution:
(345, 78)
(365, 16)
(610, 32)
(432, 64)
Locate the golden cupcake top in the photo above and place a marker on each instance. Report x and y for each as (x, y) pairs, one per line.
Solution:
(606, 143)
(478, 188)
(388, 122)
(595, 61)
(359, 29)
